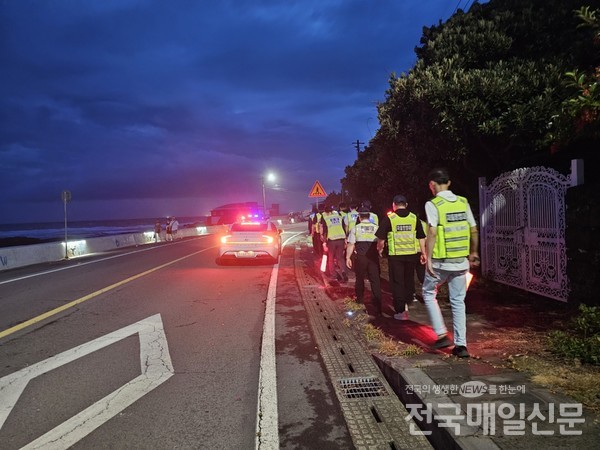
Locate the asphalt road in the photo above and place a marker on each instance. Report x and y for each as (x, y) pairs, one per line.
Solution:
(157, 347)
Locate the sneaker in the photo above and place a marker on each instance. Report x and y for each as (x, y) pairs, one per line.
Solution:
(345, 276)
(401, 316)
(442, 342)
(460, 351)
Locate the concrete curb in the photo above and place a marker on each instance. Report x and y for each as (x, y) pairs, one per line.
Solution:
(400, 375)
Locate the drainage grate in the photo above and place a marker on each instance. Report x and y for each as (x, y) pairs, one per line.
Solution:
(362, 387)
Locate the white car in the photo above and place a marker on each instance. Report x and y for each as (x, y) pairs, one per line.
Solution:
(250, 241)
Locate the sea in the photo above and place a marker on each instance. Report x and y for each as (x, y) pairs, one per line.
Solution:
(34, 233)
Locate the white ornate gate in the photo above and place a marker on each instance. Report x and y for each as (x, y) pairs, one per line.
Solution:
(522, 230)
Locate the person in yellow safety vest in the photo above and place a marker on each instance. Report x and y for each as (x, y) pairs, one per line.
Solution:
(362, 255)
(334, 238)
(451, 244)
(314, 230)
(373, 218)
(401, 231)
(351, 219)
(343, 209)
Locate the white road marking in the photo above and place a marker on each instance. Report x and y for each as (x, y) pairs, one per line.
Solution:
(46, 272)
(85, 298)
(267, 430)
(156, 368)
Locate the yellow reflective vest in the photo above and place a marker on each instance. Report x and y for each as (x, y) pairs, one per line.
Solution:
(453, 236)
(316, 220)
(365, 232)
(334, 226)
(350, 220)
(401, 240)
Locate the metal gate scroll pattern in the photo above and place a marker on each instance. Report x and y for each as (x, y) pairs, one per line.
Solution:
(523, 230)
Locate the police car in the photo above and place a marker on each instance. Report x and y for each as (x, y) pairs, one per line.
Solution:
(250, 241)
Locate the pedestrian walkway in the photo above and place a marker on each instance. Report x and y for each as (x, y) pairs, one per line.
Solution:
(480, 402)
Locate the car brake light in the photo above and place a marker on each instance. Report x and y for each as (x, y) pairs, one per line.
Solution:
(269, 238)
(225, 238)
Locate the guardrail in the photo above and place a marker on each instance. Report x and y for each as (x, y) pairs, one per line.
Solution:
(26, 255)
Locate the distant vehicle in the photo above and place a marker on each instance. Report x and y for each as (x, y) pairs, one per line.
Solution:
(250, 241)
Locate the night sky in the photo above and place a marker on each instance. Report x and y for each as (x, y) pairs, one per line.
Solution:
(148, 108)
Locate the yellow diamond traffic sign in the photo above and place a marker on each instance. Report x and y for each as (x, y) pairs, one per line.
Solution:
(317, 190)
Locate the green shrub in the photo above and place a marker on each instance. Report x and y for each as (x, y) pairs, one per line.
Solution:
(582, 341)
(587, 323)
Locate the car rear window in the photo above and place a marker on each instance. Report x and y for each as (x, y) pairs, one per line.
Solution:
(249, 227)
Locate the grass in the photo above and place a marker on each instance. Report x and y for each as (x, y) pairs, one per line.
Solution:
(568, 377)
(375, 337)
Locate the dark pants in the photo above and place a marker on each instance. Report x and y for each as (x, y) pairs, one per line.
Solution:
(363, 265)
(335, 254)
(317, 244)
(402, 281)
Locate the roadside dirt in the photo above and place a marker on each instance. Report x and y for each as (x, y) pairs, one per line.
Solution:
(507, 327)
(519, 339)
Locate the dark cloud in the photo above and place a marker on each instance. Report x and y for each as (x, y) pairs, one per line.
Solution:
(137, 105)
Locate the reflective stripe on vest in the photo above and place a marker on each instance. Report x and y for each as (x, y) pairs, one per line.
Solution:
(365, 232)
(401, 240)
(453, 237)
(334, 226)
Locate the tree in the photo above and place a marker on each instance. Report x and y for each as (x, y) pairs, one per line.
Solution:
(580, 116)
(479, 99)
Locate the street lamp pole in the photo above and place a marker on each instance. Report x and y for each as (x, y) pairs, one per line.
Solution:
(270, 178)
(264, 197)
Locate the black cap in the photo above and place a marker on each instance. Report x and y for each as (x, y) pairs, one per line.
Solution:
(400, 199)
(364, 210)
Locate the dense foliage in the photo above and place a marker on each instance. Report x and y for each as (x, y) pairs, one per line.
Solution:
(489, 93)
(582, 339)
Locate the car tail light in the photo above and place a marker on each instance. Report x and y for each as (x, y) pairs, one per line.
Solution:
(269, 239)
(224, 239)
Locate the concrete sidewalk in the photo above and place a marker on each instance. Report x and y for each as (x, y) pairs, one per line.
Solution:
(480, 402)
(492, 405)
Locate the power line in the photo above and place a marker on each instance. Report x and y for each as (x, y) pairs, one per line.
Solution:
(465, 8)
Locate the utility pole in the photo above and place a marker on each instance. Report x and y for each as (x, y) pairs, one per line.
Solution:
(357, 145)
(66, 198)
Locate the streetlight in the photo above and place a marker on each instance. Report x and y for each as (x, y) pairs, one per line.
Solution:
(270, 178)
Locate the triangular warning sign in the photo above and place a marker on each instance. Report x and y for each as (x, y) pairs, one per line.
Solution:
(317, 190)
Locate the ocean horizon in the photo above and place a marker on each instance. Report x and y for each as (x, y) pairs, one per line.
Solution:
(13, 234)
